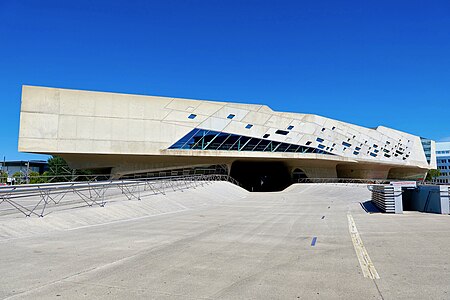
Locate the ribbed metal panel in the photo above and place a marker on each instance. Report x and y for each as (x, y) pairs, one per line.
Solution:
(384, 198)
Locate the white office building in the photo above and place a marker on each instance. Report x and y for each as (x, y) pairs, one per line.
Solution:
(443, 161)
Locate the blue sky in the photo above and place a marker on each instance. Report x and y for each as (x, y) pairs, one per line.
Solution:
(364, 62)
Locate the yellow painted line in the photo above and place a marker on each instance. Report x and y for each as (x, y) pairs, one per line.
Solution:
(365, 262)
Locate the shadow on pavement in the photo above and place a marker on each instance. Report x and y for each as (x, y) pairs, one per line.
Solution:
(369, 207)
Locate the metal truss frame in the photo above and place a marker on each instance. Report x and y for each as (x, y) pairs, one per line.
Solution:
(36, 199)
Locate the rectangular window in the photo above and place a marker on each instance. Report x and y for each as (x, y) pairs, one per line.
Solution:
(290, 127)
(192, 116)
(249, 126)
(282, 132)
(346, 144)
(319, 140)
(231, 116)
(266, 135)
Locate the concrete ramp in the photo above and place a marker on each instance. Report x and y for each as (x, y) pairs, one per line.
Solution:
(121, 210)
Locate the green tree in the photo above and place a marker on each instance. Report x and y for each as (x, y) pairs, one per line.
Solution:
(36, 178)
(3, 177)
(19, 177)
(433, 174)
(59, 171)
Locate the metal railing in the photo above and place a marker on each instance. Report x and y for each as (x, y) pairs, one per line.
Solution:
(342, 180)
(38, 199)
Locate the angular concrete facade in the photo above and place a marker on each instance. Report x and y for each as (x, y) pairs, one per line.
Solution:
(136, 134)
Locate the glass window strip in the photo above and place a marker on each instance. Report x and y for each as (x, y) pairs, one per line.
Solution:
(275, 149)
(235, 143)
(224, 140)
(267, 146)
(289, 146)
(212, 140)
(239, 149)
(204, 132)
(207, 137)
(260, 140)
(191, 137)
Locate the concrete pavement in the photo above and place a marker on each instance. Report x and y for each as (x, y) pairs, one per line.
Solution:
(229, 244)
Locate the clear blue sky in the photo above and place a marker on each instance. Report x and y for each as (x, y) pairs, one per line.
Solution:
(365, 62)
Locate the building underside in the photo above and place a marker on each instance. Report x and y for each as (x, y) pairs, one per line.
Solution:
(257, 174)
(133, 135)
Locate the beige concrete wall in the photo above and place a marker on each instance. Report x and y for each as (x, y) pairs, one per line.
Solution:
(62, 121)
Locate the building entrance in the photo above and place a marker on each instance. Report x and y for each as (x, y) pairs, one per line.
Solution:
(261, 176)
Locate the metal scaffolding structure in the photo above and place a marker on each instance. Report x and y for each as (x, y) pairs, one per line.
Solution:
(41, 199)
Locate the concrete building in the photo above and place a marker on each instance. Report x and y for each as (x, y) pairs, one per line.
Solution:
(130, 134)
(24, 167)
(443, 161)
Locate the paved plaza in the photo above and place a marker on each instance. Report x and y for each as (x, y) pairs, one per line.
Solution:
(221, 242)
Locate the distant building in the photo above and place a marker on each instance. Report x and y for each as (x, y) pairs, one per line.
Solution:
(443, 161)
(11, 167)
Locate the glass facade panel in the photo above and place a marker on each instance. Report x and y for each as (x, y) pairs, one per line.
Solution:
(201, 139)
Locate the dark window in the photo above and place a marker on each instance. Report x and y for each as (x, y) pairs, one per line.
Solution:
(282, 132)
(249, 126)
(192, 116)
(266, 135)
(319, 140)
(308, 143)
(355, 152)
(231, 116)
(290, 127)
(373, 154)
(346, 144)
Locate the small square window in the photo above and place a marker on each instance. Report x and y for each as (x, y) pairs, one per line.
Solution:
(249, 126)
(192, 116)
(231, 116)
(266, 135)
(290, 127)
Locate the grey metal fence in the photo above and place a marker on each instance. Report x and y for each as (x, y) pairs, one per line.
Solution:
(342, 180)
(41, 199)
